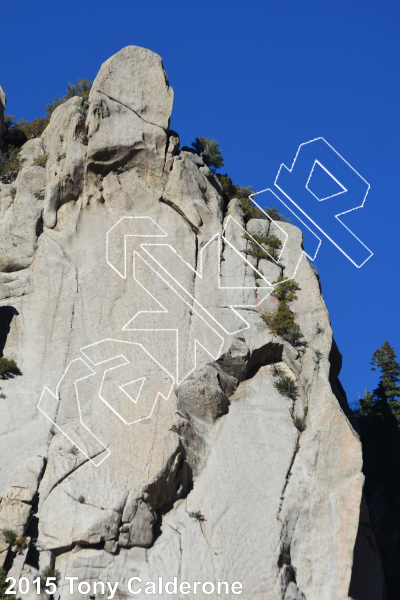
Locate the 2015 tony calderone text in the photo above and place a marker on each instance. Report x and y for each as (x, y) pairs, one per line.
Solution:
(134, 586)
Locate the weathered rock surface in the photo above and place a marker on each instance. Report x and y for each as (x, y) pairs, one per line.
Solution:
(120, 263)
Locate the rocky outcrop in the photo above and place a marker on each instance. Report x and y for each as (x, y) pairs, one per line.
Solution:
(146, 436)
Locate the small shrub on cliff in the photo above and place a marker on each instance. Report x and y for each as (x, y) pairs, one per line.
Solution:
(8, 368)
(276, 215)
(294, 336)
(82, 89)
(282, 321)
(227, 185)
(3, 584)
(197, 515)
(10, 536)
(81, 500)
(49, 572)
(251, 211)
(41, 160)
(299, 423)
(272, 244)
(210, 152)
(286, 386)
(286, 289)
(10, 165)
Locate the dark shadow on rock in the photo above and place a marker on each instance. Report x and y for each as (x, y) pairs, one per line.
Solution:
(267, 354)
(6, 316)
(380, 436)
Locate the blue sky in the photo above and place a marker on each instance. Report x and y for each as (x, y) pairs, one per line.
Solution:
(261, 77)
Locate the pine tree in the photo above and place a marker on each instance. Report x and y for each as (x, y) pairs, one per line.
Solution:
(366, 404)
(388, 390)
(379, 422)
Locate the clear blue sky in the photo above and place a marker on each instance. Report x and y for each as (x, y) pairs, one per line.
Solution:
(261, 77)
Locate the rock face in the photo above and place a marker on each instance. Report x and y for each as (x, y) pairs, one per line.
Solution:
(145, 436)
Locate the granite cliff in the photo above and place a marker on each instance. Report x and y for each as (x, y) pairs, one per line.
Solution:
(145, 436)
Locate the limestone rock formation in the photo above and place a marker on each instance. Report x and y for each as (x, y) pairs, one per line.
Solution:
(145, 436)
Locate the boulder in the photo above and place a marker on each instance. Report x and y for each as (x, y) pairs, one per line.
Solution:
(135, 78)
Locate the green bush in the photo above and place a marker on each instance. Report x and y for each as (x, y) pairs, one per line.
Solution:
(299, 423)
(272, 243)
(13, 192)
(10, 165)
(282, 321)
(249, 209)
(286, 386)
(276, 215)
(13, 134)
(210, 152)
(3, 584)
(226, 183)
(285, 290)
(10, 536)
(17, 133)
(81, 500)
(49, 572)
(197, 515)
(34, 129)
(8, 368)
(82, 89)
(41, 160)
